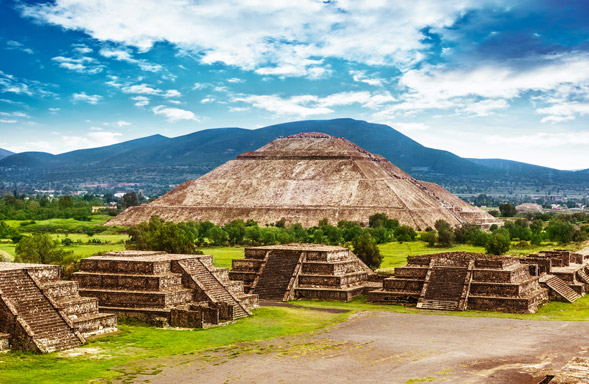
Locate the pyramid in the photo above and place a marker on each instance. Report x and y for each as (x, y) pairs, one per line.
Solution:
(304, 178)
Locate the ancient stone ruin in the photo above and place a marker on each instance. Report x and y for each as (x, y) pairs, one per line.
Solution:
(564, 273)
(303, 271)
(164, 289)
(302, 179)
(41, 313)
(457, 281)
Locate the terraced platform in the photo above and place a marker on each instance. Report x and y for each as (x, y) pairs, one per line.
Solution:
(164, 289)
(43, 314)
(303, 271)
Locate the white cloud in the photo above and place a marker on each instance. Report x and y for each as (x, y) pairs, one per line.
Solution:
(90, 99)
(94, 138)
(409, 127)
(82, 64)
(144, 89)
(235, 80)
(482, 89)
(238, 109)
(15, 114)
(141, 101)
(280, 38)
(124, 55)
(208, 99)
(485, 107)
(8, 121)
(309, 105)
(360, 76)
(11, 84)
(122, 123)
(174, 114)
(15, 45)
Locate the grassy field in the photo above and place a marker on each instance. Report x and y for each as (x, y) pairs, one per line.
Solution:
(129, 352)
(62, 225)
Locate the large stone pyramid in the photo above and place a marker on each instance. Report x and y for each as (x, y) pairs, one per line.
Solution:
(304, 178)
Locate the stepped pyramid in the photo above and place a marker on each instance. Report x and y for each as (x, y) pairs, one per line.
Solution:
(460, 280)
(164, 289)
(40, 313)
(303, 271)
(304, 178)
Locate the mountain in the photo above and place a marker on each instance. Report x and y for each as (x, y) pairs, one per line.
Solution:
(4, 153)
(518, 169)
(156, 162)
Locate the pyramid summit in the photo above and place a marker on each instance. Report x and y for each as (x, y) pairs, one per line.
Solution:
(304, 178)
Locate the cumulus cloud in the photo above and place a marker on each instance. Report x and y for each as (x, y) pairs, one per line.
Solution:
(278, 38)
(309, 105)
(174, 114)
(90, 99)
(480, 90)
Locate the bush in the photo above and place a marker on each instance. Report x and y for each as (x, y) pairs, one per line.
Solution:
(560, 231)
(498, 243)
(507, 210)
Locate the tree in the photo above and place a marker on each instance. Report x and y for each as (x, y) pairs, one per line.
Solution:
(498, 243)
(39, 248)
(430, 237)
(158, 235)
(235, 231)
(377, 220)
(404, 233)
(365, 248)
(560, 231)
(130, 200)
(507, 210)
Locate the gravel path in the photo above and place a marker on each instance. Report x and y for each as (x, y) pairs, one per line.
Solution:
(377, 347)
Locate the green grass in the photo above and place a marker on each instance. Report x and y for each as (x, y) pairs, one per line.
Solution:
(131, 351)
(66, 225)
(222, 256)
(395, 254)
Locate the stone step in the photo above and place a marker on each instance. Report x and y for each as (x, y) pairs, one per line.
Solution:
(212, 284)
(582, 275)
(562, 289)
(439, 305)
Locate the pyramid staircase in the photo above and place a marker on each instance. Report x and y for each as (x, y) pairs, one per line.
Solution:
(582, 275)
(277, 276)
(560, 288)
(446, 287)
(213, 286)
(38, 324)
(303, 271)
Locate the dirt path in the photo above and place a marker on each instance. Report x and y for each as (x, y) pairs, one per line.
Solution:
(376, 347)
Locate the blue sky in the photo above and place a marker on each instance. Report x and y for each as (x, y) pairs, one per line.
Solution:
(487, 79)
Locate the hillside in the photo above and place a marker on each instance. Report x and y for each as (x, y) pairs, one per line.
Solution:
(156, 162)
(4, 153)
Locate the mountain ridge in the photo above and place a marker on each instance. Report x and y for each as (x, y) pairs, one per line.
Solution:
(188, 156)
